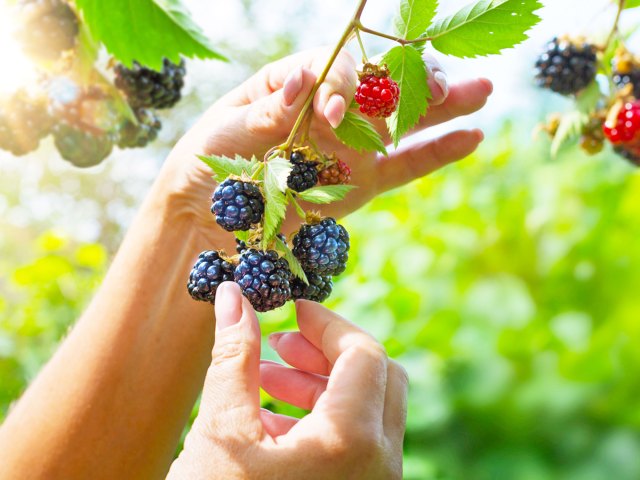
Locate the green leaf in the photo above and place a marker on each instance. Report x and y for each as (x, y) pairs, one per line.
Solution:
(571, 125)
(632, 4)
(587, 100)
(146, 30)
(242, 235)
(325, 194)
(408, 69)
(294, 264)
(224, 166)
(357, 133)
(484, 28)
(415, 17)
(275, 185)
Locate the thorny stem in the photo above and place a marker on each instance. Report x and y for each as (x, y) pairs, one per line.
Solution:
(616, 22)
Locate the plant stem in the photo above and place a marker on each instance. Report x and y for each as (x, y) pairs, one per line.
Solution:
(365, 59)
(341, 43)
(399, 40)
(616, 22)
(299, 210)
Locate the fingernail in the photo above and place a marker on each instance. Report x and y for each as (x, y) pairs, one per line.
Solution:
(228, 305)
(292, 86)
(270, 363)
(335, 110)
(273, 340)
(441, 80)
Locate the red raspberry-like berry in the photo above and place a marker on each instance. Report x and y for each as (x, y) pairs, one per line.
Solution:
(625, 128)
(337, 173)
(377, 93)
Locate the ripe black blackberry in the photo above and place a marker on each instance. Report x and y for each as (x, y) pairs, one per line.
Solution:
(237, 204)
(209, 271)
(80, 147)
(626, 70)
(566, 66)
(47, 28)
(304, 174)
(264, 278)
(24, 121)
(322, 247)
(133, 135)
(629, 152)
(147, 88)
(318, 290)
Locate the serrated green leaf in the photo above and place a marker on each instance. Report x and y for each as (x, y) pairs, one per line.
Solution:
(570, 127)
(224, 166)
(484, 28)
(294, 264)
(146, 30)
(415, 17)
(325, 194)
(357, 133)
(632, 4)
(408, 69)
(275, 184)
(587, 100)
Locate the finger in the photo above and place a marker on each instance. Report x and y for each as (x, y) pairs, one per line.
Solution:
(275, 424)
(298, 352)
(231, 388)
(335, 94)
(464, 98)
(395, 403)
(290, 385)
(437, 80)
(415, 161)
(355, 391)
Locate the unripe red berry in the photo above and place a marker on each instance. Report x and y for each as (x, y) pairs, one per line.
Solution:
(625, 127)
(377, 94)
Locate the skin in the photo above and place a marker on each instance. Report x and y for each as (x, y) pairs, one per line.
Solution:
(113, 400)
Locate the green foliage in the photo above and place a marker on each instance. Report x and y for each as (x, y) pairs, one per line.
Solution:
(484, 28)
(408, 69)
(224, 166)
(415, 16)
(632, 4)
(146, 30)
(275, 185)
(570, 127)
(359, 134)
(294, 264)
(325, 194)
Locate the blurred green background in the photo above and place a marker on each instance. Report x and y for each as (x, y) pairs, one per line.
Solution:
(508, 285)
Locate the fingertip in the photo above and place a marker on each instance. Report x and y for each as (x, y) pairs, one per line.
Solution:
(335, 110)
(228, 306)
(487, 84)
(479, 135)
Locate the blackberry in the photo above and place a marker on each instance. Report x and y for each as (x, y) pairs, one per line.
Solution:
(629, 152)
(264, 278)
(304, 174)
(566, 67)
(322, 247)
(133, 135)
(377, 93)
(336, 173)
(24, 121)
(318, 290)
(209, 271)
(47, 28)
(147, 88)
(626, 71)
(80, 147)
(237, 204)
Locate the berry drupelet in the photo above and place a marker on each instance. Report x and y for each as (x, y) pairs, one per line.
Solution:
(566, 67)
(337, 173)
(322, 247)
(209, 271)
(318, 290)
(377, 94)
(624, 127)
(264, 278)
(147, 88)
(237, 204)
(304, 174)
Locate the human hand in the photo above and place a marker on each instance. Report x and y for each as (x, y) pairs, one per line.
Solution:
(357, 396)
(260, 113)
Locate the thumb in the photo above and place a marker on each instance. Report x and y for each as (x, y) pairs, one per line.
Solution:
(230, 396)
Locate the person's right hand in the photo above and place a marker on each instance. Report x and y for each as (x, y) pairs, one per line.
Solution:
(357, 398)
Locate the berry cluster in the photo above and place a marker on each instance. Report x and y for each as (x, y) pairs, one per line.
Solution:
(377, 94)
(319, 248)
(567, 66)
(86, 122)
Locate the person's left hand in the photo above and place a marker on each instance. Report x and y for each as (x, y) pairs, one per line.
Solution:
(260, 113)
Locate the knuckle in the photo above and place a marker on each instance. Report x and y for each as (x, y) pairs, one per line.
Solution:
(399, 372)
(234, 350)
